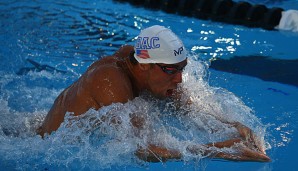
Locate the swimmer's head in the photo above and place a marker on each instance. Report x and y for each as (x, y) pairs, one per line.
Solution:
(158, 44)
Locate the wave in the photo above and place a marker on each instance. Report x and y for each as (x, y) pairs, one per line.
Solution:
(90, 142)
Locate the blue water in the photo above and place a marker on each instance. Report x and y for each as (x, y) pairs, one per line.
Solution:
(46, 45)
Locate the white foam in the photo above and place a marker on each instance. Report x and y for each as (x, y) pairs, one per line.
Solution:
(88, 142)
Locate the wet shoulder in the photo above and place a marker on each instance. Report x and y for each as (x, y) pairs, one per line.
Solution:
(116, 59)
(109, 68)
(124, 51)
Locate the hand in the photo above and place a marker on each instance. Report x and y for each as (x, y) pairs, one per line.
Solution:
(244, 154)
(250, 139)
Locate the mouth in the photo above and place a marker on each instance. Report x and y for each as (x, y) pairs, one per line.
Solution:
(169, 92)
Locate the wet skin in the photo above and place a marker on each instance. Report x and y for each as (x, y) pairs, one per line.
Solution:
(115, 79)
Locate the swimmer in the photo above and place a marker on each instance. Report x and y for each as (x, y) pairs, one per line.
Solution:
(155, 64)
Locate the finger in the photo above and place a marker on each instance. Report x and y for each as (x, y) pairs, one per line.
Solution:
(249, 138)
(253, 155)
(254, 143)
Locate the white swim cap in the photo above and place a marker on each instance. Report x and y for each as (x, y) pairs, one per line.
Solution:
(158, 44)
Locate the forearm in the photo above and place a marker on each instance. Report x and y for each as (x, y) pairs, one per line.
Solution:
(239, 151)
(154, 153)
(212, 148)
(244, 132)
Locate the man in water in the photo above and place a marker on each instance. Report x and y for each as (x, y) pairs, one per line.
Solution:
(154, 64)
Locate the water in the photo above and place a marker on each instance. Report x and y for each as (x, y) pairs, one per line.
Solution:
(45, 46)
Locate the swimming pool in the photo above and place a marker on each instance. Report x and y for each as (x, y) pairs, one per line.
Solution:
(45, 46)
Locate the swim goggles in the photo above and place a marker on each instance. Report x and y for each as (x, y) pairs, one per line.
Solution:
(171, 70)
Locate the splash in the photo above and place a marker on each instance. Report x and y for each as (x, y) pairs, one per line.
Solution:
(107, 139)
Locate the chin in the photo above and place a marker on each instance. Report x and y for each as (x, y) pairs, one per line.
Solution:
(160, 96)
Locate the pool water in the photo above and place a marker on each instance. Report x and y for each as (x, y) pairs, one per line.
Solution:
(46, 46)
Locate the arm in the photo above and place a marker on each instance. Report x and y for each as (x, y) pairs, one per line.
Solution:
(248, 137)
(248, 145)
(245, 133)
(155, 153)
(244, 148)
(241, 152)
(152, 153)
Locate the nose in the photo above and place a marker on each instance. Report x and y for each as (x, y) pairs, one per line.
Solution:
(177, 77)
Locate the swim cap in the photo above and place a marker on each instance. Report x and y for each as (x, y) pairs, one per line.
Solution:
(157, 44)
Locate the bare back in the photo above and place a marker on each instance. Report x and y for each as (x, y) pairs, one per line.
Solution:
(105, 82)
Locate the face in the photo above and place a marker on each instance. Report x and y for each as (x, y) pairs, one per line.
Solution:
(163, 79)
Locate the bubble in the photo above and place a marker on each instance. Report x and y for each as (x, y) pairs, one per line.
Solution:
(109, 138)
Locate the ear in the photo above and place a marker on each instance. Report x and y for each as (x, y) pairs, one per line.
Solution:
(144, 67)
